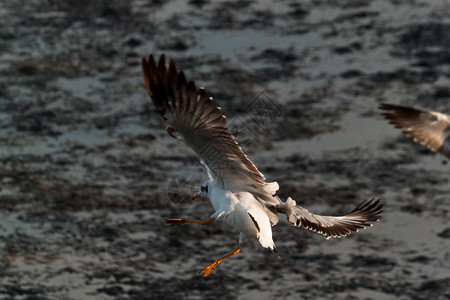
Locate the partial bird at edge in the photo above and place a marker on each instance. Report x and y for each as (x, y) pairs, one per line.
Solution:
(429, 128)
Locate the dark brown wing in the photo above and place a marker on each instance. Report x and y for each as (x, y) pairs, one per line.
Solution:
(330, 226)
(192, 116)
(431, 129)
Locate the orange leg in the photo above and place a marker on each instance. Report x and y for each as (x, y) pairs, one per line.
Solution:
(206, 271)
(176, 222)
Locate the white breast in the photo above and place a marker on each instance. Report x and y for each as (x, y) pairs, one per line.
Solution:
(220, 199)
(243, 212)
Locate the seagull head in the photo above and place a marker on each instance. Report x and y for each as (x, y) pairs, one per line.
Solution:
(204, 192)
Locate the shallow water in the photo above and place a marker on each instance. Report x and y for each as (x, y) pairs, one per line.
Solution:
(88, 173)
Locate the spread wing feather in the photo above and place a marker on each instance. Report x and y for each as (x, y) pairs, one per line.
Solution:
(329, 226)
(431, 129)
(193, 117)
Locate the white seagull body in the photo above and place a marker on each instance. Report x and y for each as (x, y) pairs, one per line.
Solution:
(429, 128)
(237, 189)
(244, 213)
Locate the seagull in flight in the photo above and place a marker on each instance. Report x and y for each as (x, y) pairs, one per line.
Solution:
(429, 128)
(237, 190)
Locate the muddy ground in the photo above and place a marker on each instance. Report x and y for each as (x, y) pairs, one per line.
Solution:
(88, 173)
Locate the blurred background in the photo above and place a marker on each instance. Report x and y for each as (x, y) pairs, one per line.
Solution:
(88, 172)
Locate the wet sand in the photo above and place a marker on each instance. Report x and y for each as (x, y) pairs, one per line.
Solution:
(88, 172)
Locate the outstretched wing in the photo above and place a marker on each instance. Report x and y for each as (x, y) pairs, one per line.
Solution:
(431, 129)
(193, 117)
(330, 226)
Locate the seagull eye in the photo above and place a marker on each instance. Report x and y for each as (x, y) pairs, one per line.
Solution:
(204, 189)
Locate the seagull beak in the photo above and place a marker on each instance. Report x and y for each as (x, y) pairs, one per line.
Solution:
(196, 196)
